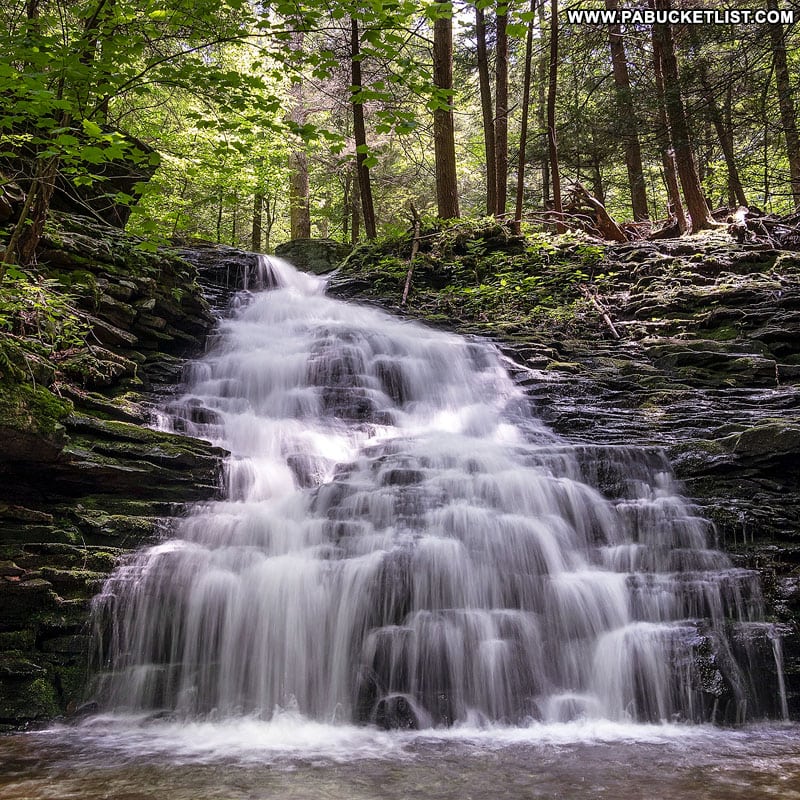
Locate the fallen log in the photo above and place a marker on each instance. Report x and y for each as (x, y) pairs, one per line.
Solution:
(606, 224)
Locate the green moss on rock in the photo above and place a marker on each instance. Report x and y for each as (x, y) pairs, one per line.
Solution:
(31, 409)
(28, 699)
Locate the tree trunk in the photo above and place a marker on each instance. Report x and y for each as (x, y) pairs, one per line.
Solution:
(786, 103)
(30, 224)
(299, 203)
(727, 121)
(220, 198)
(234, 219)
(486, 111)
(664, 136)
(626, 111)
(684, 156)
(501, 109)
(597, 175)
(258, 213)
(299, 197)
(724, 136)
(355, 213)
(607, 226)
(541, 77)
(347, 183)
(443, 121)
(360, 133)
(271, 208)
(523, 132)
(552, 140)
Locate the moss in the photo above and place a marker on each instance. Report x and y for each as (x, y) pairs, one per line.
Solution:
(81, 282)
(17, 640)
(477, 272)
(565, 366)
(71, 682)
(724, 333)
(28, 700)
(32, 409)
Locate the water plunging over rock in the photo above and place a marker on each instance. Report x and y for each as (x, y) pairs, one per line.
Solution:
(402, 542)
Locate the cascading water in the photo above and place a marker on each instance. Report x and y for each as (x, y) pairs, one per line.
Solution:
(402, 542)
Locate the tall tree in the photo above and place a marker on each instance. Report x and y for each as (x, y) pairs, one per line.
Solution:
(299, 188)
(501, 108)
(627, 116)
(486, 110)
(552, 139)
(64, 66)
(360, 132)
(523, 131)
(664, 137)
(443, 120)
(541, 79)
(786, 102)
(724, 134)
(679, 126)
(258, 219)
(355, 212)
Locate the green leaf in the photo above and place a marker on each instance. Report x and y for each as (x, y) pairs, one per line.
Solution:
(92, 155)
(92, 129)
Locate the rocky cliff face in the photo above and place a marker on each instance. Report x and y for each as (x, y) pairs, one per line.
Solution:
(83, 478)
(707, 367)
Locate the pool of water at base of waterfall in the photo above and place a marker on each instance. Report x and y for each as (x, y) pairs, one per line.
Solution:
(289, 759)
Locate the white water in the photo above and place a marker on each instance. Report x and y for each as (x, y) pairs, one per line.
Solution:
(401, 542)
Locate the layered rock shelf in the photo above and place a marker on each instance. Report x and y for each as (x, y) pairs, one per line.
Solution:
(706, 366)
(84, 479)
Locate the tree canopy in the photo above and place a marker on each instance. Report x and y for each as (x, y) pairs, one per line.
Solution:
(248, 123)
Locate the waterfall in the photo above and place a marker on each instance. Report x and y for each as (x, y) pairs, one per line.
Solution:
(402, 542)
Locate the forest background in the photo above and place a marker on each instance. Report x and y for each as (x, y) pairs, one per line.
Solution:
(248, 124)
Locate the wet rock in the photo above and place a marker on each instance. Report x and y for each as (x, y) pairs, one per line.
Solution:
(81, 477)
(395, 713)
(222, 270)
(771, 440)
(8, 569)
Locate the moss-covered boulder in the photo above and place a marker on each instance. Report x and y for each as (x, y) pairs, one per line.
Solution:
(313, 255)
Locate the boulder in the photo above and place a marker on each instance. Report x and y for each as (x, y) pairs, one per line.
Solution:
(313, 255)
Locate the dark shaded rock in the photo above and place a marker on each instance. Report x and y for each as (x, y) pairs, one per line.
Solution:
(30, 425)
(775, 441)
(395, 712)
(110, 179)
(314, 255)
(222, 270)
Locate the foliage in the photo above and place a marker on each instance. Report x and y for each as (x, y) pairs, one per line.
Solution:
(205, 92)
(40, 312)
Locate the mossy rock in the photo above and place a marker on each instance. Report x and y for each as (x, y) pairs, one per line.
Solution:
(776, 439)
(28, 699)
(314, 255)
(32, 410)
(30, 425)
(24, 639)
